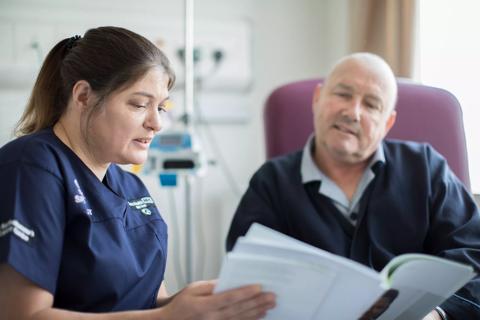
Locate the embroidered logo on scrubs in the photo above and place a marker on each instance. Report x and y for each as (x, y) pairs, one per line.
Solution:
(18, 229)
(80, 198)
(142, 204)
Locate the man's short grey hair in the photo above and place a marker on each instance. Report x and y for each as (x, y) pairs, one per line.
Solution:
(373, 61)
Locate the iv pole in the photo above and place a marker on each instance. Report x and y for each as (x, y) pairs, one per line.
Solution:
(188, 122)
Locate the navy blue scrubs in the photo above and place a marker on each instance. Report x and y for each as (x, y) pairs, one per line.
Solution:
(97, 246)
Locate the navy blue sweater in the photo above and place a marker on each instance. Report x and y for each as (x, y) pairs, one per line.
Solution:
(415, 204)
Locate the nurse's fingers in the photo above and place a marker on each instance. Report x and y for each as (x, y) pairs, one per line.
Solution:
(223, 299)
(252, 308)
(234, 296)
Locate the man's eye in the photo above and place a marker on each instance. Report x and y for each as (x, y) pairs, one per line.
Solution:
(343, 95)
(162, 109)
(372, 106)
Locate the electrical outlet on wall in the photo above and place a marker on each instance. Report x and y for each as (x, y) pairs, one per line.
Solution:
(225, 61)
(222, 54)
(223, 67)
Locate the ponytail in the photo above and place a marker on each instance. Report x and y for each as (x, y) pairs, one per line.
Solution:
(46, 104)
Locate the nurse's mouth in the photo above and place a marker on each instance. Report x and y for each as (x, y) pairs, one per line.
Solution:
(145, 141)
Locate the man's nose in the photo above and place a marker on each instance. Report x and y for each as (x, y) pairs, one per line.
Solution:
(353, 110)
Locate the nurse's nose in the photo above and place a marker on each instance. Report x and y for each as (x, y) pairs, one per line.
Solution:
(153, 120)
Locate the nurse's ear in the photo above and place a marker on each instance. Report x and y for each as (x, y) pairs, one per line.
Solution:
(82, 95)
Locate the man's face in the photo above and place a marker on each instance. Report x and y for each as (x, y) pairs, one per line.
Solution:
(352, 113)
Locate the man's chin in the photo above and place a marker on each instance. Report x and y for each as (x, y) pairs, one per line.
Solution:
(348, 155)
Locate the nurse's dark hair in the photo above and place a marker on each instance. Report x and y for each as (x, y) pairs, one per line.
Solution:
(108, 58)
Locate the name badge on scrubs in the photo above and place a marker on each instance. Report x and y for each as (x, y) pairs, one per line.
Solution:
(142, 204)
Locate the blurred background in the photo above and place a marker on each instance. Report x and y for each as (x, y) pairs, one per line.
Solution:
(243, 51)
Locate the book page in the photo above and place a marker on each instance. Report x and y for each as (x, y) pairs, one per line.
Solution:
(298, 295)
(423, 282)
(259, 235)
(353, 282)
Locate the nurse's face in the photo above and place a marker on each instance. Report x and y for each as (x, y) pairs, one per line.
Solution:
(121, 131)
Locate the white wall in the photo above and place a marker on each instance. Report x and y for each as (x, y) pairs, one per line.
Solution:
(291, 40)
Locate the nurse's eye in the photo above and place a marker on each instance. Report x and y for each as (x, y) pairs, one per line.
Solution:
(138, 105)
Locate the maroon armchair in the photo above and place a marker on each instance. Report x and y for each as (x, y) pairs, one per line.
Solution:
(424, 114)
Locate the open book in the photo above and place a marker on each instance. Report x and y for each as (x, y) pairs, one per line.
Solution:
(311, 283)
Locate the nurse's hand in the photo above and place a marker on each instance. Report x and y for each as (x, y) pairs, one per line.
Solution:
(197, 301)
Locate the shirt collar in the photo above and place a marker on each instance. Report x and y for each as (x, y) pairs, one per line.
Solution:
(309, 170)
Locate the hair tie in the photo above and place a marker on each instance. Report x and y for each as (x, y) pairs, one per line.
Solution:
(71, 42)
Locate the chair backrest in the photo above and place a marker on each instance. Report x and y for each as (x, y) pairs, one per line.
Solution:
(424, 114)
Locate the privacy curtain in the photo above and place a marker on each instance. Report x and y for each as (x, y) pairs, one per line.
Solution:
(386, 28)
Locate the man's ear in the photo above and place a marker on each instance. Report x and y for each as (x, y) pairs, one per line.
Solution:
(390, 121)
(316, 94)
(81, 94)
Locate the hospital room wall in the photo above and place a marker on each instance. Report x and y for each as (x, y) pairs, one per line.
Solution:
(290, 40)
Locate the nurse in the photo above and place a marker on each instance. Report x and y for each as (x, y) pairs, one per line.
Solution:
(79, 237)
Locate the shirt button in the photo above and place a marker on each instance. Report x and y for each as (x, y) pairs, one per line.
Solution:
(354, 216)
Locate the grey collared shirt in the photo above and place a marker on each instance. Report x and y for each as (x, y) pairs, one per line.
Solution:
(310, 172)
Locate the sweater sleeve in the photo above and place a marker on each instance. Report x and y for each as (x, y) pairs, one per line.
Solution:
(454, 234)
(257, 205)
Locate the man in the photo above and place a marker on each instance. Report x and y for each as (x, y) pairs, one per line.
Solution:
(356, 195)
